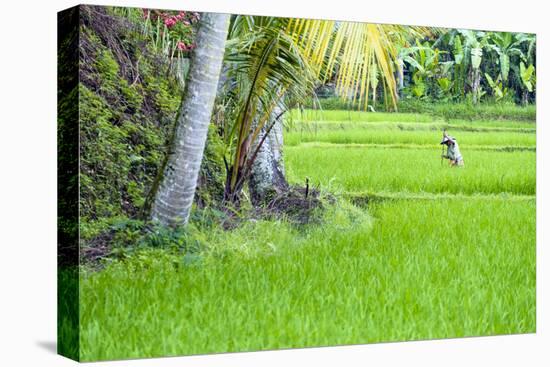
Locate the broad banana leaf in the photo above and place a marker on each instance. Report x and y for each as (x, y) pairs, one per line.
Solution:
(527, 75)
(477, 54)
(504, 66)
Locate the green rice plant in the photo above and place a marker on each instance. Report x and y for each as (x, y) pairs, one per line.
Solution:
(515, 114)
(342, 115)
(361, 135)
(353, 118)
(363, 169)
(419, 270)
(410, 249)
(455, 126)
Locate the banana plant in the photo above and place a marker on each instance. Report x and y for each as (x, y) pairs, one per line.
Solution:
(528, 80)
(499, 91)
(424, 61)
(527, 76)
(529, 41)
(506, 46)
(473, 43)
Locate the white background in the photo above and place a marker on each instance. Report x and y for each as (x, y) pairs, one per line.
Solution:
(28, 183)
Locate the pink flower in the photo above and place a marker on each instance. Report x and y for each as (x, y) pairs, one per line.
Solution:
(169, 22)
(181, 46)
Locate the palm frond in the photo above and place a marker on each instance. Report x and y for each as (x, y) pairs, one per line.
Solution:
(349, 52)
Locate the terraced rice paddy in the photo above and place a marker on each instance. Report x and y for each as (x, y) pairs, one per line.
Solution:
(412, 250)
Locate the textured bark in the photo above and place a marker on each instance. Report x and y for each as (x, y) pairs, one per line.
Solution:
(174, 198)
(267, 176)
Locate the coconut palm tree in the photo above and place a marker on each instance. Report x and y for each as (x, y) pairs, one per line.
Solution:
(173, 193)
(272, 63)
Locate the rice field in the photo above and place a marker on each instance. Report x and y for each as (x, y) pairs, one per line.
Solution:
(412, 250)
(352, 134)
(375, 169)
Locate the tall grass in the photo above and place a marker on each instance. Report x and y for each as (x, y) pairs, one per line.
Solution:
(460, 268)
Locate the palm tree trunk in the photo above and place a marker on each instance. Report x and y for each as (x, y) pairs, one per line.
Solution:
(267, 176)
(276, 140)
(178, 180)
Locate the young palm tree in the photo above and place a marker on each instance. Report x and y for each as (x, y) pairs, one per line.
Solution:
(266, 75)
(175, 187)
(275, 63)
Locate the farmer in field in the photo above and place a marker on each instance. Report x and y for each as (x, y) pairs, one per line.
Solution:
(453, 152)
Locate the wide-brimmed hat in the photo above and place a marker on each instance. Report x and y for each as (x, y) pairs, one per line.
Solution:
(446, 139)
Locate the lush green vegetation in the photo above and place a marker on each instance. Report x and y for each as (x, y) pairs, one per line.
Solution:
(126, 120)
(370, 237)
(416, 262)
(417, 270)
(411, 273)
(309, 116)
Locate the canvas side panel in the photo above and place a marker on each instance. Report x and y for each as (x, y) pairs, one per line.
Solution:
(67, 183)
